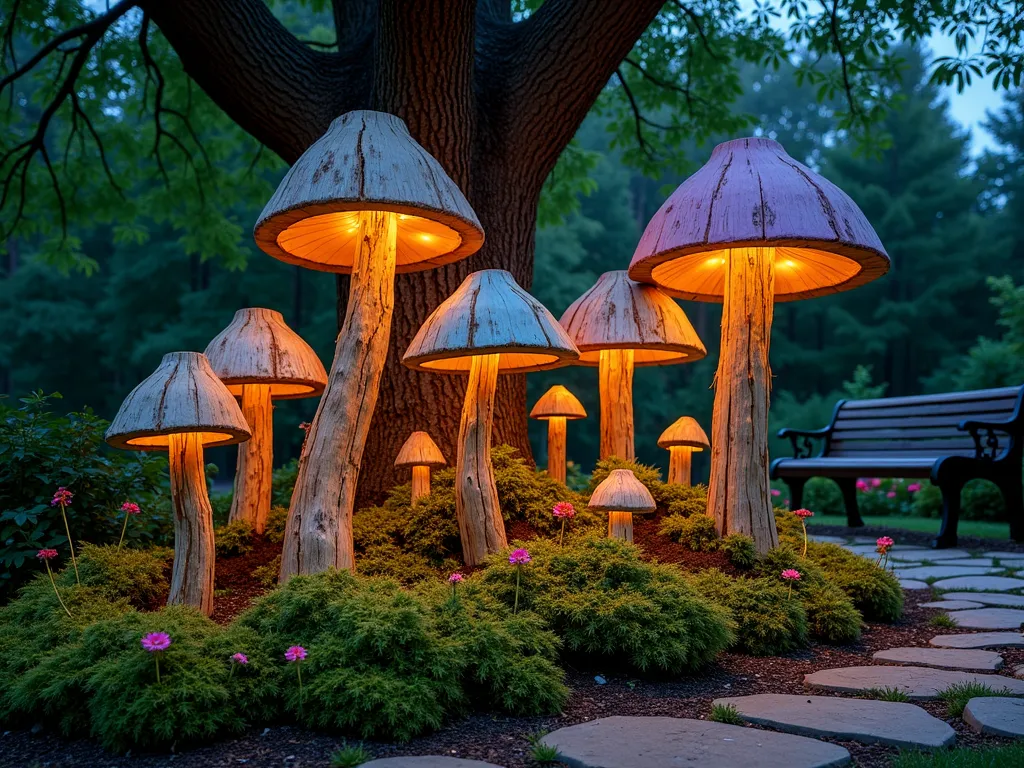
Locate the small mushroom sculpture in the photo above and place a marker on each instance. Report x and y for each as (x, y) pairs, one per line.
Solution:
(489, 326)
(681, 439)
(621, 495)
(364, 199)
(261, 359)
(619, 324)
(421, 454)
(181, 408)
(555, 406)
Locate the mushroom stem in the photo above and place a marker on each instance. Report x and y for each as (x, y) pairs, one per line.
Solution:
(615, 370)
(253, 476)
(620, 526)
(679, 462)
(420, 481)
(476, 497)
(739, 496)
(556, 448)
(192, 575)
(319, 531)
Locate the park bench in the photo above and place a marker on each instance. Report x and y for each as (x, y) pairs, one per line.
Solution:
(949, 438)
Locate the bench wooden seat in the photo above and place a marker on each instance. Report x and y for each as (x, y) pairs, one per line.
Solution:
(949, 438)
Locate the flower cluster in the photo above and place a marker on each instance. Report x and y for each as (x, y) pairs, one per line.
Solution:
(62, 497)
(519, 557)
(791, 574)
(455, 578)
(130, 507)
(883, 544)
(240, 658)
(564, 509)
(803, 514)
(295, 653)
(46, 554)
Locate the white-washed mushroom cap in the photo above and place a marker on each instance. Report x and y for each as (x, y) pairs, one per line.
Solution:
(622, 492)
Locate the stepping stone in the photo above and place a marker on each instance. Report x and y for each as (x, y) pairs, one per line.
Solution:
(863, 720)
(997, 715)
(980, 640)
(1004, 555)
(943, 658)
(827, 539)
(989, 618)
(427, 761)
(980, 562)
(1012, 563)
(916, 682)
(987, 583)
(931, 555)
(952, 605)
(660, 742)
(914, 584)
(942, 572)
(986, 598)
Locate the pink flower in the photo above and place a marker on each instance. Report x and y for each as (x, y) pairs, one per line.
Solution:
(156, 641)
(63, 496)
(862, 485)
(455, 578)
(519, 557)
(891, 495)
(46, 554)
(913, 487)
(883, 544)
(875, 482)
(791, 574)
(240, 658)
(803, 513)
(776, 492)
(130, 507)
(785, 502)
(295, 653)
(564, 509)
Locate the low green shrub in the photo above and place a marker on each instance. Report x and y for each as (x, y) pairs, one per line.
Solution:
(232, 539)
(277, 520)
(136, 575)
(831, 615)
(350, 756)
(740, 549)
(696, 532)
(726, 713)
(958, 694)
(685, 500)
(942, 621)
(650, 476)
(282, 483)
(886, 694)
(875, 592)
(267, 574)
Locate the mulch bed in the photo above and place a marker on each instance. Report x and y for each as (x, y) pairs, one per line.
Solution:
(235, 586)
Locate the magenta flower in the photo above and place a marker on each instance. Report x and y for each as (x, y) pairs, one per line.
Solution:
(791, 574)
(240, 658)
(803, 513)
(295, 653)
(564, 509)
(46, 554)
(913, 488)
(455, 578)
(875, 482)
(519, 557)
(862, 485)
(776, 492)
(883, 544)
(156, 641)
(891, 495)
(130, 507)
(62, 497)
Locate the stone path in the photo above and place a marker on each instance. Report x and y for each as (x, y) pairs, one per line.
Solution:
(864, 720)
(915, 682)
(913, 584)
(980, 640)
(931, 555)
(952, 605)
(987, 598)
(996, 715)
(981, 583)
(989, 618)
(943, 658)
(426, 761)
(670, 742)
(942, 572)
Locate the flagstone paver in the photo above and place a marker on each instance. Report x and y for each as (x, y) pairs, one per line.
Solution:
(864, 720)
(1012, 563)
(827, 539)
(916, 682)
(980, 640)
(942, 571)
(952, 605)
(913, 584)
(997, 715)
(988, 618)
(1004, 555)
(987, 583)
(980, 562)
(986, 598)
(931, 555)
(669, 742)
(943, 658)
(427, 761)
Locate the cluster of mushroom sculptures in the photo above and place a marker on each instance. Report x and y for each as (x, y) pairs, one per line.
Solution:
(751, 227)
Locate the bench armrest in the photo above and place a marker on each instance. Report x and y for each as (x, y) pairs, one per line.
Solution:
(803, 440)
(986, 446)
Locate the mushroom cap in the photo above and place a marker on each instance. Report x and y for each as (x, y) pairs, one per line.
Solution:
(752, 194)
(258, 347)
(367, 161)
(490, 314)
(420, 451)
(619, 313)
(621, 492)
(183, 395)
(684, 431)
(558, 401)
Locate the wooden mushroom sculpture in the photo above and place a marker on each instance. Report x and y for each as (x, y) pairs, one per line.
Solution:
(421, 454)
(261, 359)
(365, 199)
(556, 406)
(181, 408)
(621, 495)
(752, 227)
(619, 324)
(681, 439)
(489, 326)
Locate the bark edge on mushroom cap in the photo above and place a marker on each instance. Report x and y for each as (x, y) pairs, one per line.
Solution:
(558, 402)
(684, 431)
(258, 347)
(620, 313)
(751, 193)
(182, 395)
(367, 161)
(490, 314)
(621, 492)
(420, 450)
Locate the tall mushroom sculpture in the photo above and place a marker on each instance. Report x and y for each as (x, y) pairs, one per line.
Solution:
(556, 406)
(619, 324)
(681, 439)
(489, 326)
(261, 359)
(181, 408)
(421, 454)
(365, 199)
(752, 227)
(621, 495)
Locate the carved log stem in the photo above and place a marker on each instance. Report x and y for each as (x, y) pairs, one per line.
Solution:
(319, 531)
(192, 574)
(253, 476)
(615, 372)
(420, 482)
(679, 462)
(620, 526)
(556, 448)
(476, 498)
(739, 494)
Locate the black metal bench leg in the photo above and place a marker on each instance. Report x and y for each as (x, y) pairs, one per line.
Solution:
(848, 486)
(950, 514)
(796, 491)
(1013, 496)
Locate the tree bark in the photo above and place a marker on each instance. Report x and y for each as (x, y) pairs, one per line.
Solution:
(679, 462)
(254, 473)
(620, 526)
(739, 496)
(420, 482)
(615, 372)
(192, 573)
(319, 531)
(476, 499)
(556, 448)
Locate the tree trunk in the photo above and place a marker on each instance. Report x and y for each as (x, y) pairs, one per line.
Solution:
(556, 448)
(254, 473)
(615, 371)
(476, 499)
(620, 526)
(192, 573)
(739, 497)
(319, 531)
(679, 462)
(420, 482)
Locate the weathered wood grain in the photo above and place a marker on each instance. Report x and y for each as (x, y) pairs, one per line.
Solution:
(682, 438)
(254, 473)
(420, 453)
(680, 462)
(621, 495)
(615, 388)
(555, 406)
(192, 576)
(556, 448)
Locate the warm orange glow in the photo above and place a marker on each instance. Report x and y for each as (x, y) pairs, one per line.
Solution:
(277, 389)
(517, 360)
(162, 441)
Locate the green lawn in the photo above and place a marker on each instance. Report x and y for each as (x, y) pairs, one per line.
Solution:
(979, 528)
(964, 757)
